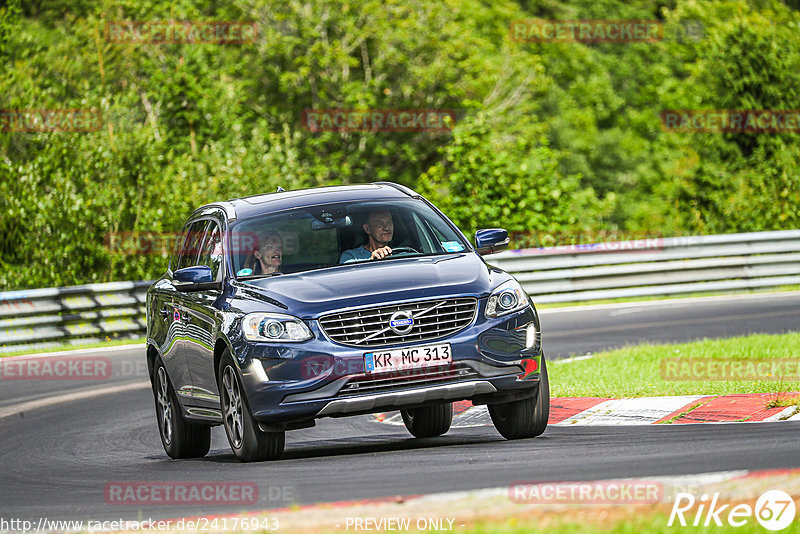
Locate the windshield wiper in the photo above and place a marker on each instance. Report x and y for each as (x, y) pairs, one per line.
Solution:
(257, 276)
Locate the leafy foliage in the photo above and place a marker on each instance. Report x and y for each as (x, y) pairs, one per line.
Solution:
(550, 139)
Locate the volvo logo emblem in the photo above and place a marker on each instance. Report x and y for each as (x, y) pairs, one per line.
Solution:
(401, 322)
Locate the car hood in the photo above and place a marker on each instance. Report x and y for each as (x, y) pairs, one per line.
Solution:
(315, 293)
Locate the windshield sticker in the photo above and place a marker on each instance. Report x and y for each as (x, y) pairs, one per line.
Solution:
(452, 246)
(244, 272)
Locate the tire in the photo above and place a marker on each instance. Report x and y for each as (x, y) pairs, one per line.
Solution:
(526, 418)
(181, 439)
(248, 442)
(428, 421)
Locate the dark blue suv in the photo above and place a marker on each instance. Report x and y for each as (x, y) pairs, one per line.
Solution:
(283, 308)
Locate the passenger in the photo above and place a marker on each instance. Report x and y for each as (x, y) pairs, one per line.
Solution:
(380, 230)
(268, 257)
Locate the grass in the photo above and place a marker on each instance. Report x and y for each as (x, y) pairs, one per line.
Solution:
(74, 346)
(684, 413)
(606, 523)
(779, 289)
(783, 402)
(639, 371)
(597, 519)
(497, 514)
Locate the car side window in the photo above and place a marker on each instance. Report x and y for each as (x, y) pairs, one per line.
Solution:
(211, 252)
(424, 232)
(191, 245)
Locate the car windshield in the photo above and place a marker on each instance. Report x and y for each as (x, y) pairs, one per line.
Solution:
(318, 237)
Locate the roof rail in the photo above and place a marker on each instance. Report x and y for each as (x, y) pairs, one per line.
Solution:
(227, 207)
(403, 189)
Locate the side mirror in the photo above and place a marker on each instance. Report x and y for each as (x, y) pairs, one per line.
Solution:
(491, 240)
(197, 278)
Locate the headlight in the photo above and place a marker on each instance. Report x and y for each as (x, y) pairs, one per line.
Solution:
(274, 327)
(507, 298)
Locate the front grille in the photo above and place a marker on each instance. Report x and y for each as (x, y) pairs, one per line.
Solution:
(369, 327)
(430, 376)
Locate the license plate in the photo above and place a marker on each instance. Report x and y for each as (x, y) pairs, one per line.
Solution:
(407, 358)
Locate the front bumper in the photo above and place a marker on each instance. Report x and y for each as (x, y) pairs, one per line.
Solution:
(407, 397)
(321, 379)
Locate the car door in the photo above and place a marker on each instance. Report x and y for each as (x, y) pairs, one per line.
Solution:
(168, 321)
(165, 331)
(194, 233)
(201, 310)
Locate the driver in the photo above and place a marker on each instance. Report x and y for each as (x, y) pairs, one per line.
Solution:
(380, 230)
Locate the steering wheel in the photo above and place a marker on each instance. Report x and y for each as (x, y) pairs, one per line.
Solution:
(406, 250)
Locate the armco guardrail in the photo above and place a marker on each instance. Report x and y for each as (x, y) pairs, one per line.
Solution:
(661, 266)
(38, 318)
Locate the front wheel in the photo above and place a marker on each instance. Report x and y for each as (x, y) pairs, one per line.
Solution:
(248, 442)
(428, 421)
(180, 438)
(526, 418)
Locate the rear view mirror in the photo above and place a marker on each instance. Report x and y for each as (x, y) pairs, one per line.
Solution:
(491, 240)
(316, 224)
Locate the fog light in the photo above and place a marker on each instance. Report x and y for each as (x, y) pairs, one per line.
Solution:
(530, 336)
(258, 369)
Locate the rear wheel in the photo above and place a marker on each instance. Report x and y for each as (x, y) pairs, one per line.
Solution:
(180, 438)
(428, 421)
(526, 418)
(248, 442)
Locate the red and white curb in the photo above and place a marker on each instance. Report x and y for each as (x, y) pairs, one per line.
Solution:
(685, 409)
(446, 510)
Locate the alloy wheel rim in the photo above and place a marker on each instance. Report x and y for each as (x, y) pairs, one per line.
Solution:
(164, 407)
(234, 421)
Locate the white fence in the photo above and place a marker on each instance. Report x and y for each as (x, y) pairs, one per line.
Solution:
(661, 266)
(38, 318)
(664, 266)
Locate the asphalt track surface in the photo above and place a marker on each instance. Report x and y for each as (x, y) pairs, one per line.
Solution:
(61, 443)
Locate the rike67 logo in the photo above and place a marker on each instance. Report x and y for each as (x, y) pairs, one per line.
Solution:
(774, 510)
